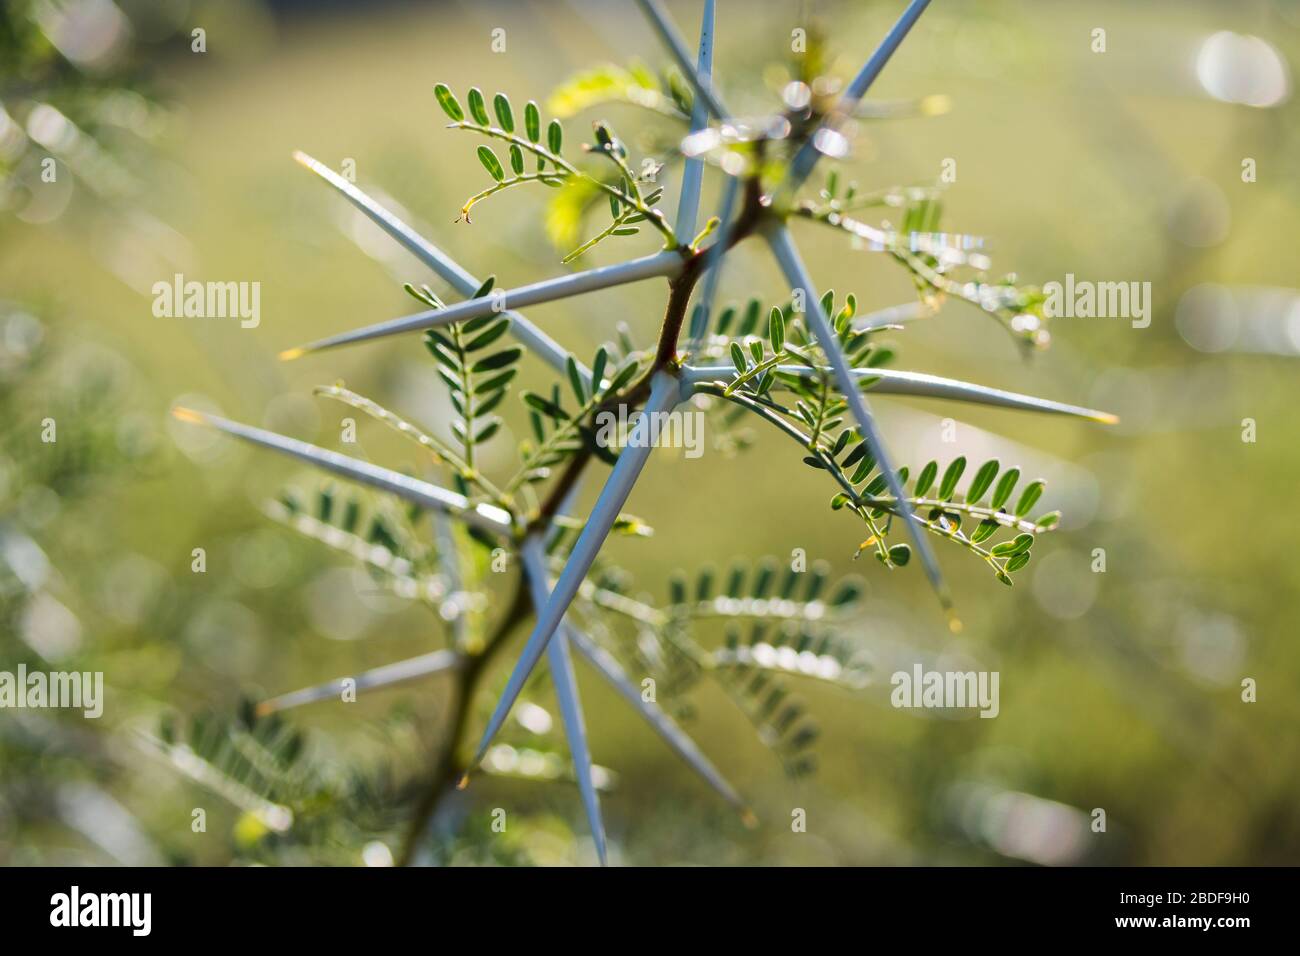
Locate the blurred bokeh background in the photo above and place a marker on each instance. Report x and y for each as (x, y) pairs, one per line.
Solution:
(1120, 690)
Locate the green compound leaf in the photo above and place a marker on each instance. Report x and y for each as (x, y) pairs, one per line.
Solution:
(447, 100)
(948, 486)
(1033, 491)
(505, 114)
(532, 121)
(776, 330)
(491, 163)
(925, 479)
(477, 107)
(982, 480)
(1006, 485)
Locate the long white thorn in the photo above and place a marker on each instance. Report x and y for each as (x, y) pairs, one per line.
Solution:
(796, 274)
(890, 315)
(666, 264)
(920, 384)
(444, 265)
(658, 18)
(688, 205)
(667, 729)
(533, 556)
(807, 157)
(484, 516)
(575, 731)
(664, 394)
(388, 675)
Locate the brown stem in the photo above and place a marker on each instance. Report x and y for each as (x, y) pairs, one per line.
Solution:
(679, 296)
(682, 287)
